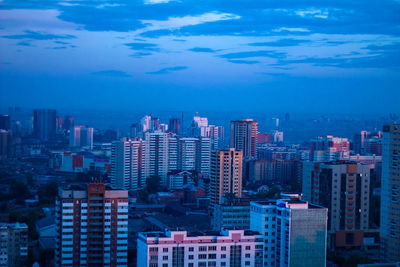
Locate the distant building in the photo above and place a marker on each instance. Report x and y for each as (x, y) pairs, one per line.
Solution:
(127, 164)
(329, 148)
(225, 174)
(155, 155)
(136, 130)
(294, 231)
(244, 137)
(78, 162)
(231, 214)
(5, 122)
(92, 226)
(178, 179)
(68, 123)
(4, 144)
(180, 249)
(344, 188)
(81, 136)
(390, 193)
(44, 124)
(175, 126)
(13, 244)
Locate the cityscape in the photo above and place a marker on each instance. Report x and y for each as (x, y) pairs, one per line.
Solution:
(180, 133)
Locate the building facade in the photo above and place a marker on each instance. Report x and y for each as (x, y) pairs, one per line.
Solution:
(244, 137)
(225, 174)
(92, 226)
(13, 244)
(344, 188)
(127, 164)
(390, 193)
(234, 248)
(294, 231)
(44, 124)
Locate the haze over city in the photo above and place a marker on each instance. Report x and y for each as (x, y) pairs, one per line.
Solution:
(211, 133)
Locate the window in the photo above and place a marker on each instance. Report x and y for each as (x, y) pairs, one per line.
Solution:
(212, 256)
(153, 257)
(165, 258)
(223, 256)
(247, 263)
(247, 255)
(191, 264)
(203, 248)
(248, 247)
(165, 250)
(212, 248)
(153, 249)
(223, 248)
(191, 248)
(165, 265)
(202, 256)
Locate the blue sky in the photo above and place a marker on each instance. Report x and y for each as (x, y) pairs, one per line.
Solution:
(314, 55)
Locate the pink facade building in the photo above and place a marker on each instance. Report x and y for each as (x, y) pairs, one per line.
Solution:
(182, 249)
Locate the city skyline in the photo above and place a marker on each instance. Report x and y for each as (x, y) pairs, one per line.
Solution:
(286, 56)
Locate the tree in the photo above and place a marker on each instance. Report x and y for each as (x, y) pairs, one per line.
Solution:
(48, 193)
(19, 191)
(153, 183)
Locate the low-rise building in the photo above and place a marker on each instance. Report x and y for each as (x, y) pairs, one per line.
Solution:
(234, 248)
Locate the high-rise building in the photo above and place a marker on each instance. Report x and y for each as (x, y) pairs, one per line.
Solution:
(13, 244)
(5, 122)
(200, 121)
(390, 193)
(173, 153)
(344, 188)
(4, 144)
(68, 123)
(233, 248)
(127, 164)
(244, 137)
(92, 226)
(44, 124)
(216, 134)
(81, 136)
(225, 174)
(294, 231)
(329, 148)
(136, 130)
(155, 155)
(175, 126)
(146, 123)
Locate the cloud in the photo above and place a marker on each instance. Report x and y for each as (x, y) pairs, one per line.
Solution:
(141, 54)
(202, 49)
(179, 22)
(111, 73)
(248, 54)
(168, 70)
(243, 61)
(24, 44)
(281, 42)
(154, 2)
(61, 42)
(109, 5)
(142, 46)
(287, 29)
(39, 36)
(314, 13)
